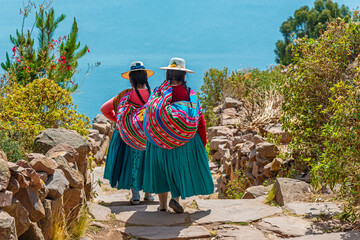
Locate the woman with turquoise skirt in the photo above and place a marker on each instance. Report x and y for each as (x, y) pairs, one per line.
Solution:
(175, 160)
(125, 159)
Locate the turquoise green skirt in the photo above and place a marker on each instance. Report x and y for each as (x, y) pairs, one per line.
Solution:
(124, 165)
(183, 171)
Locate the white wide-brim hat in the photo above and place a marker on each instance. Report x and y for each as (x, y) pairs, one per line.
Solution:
(136, 66)
(177, 64)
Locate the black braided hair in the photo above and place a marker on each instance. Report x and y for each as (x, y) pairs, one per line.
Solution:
(178, 76)
(137, 78)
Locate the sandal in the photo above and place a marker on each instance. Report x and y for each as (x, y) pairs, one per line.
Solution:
(176, 206)
(134, 201)
(161, 209)
(148, 197)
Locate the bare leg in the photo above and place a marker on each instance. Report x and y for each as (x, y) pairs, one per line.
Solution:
(163, 200)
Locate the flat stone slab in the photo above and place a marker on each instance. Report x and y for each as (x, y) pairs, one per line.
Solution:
(134, 208)
(163, 232)
(99, 212)
(114, 198)
(233, 232)
(353, 235)
(240, 210)
(286, 226)
(152, 218)
(313, 209)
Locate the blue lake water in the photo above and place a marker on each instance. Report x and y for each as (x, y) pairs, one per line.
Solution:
(207, 34)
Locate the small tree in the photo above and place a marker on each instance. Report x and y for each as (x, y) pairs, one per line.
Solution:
(307, 22)
(55, 59)
(322, 106)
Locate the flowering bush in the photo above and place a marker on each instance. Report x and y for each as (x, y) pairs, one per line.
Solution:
(55, 58)
(26, 111)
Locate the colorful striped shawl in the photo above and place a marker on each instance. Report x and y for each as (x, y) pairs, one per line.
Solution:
(130, 123)
(170, 125)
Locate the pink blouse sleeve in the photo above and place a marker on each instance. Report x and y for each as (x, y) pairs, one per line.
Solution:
(108, 110)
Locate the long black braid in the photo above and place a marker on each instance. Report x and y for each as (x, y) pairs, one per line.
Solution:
(139, 78)
(179, 76)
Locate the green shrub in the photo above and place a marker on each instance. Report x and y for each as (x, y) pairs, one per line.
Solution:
(14, 151)
(237, 186)
(26, 111)
(322, 106)
(212, 93)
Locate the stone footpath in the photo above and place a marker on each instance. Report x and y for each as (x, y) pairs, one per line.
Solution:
(204, 218)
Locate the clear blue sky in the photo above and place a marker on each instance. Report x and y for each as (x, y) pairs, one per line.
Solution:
(212, 33)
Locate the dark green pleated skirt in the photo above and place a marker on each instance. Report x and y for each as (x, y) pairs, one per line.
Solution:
(124, 165)
(183, 171)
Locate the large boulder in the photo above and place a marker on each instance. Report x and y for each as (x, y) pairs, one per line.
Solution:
(267, 150)
(14, 185)
(7, 226)
(44, 164)
(73, 197)
(6, 198)
(54, 212)
(231, 103)
(75, 178)
(244, 149)
(65, 150)
(100, 154)
(56, 184)
(214, 144)
(94, 134)
(33, 233)
(30, 200)
(32, 156)
(4, 175)
(220, 131)
(51, 137)
(101, 119)
(289, 190)
(276, 131)
(21, 215)
(228, 113)
(25, 175)
(103, 128)
(256, 191)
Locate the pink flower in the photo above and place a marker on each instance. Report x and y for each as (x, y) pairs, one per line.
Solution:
(88, 50)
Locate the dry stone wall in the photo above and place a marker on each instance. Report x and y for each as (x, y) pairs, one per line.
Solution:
(99, 137)
(51, 186)
(244, 151)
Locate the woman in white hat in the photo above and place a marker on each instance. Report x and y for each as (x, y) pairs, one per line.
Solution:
(175, 160)
(125, 158)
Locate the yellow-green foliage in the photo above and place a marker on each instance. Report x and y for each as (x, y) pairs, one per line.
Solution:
(78, 228)
(322, 106)
(237, 186)
(257, 89)
(27, 110)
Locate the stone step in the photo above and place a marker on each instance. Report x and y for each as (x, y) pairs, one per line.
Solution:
(240, 210)
(163, 232)
(152, 218)
(353, 235)
(313, 209)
